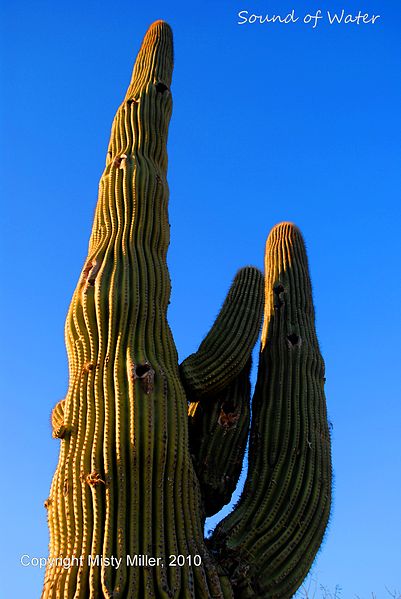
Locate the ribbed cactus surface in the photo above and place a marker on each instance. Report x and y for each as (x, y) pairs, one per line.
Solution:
(270, 540)
(216, 379)
(149, 448)
(125, 484)
(225, 350)
(218, 432)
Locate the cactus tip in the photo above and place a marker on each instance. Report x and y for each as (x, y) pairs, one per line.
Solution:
(159, 23)
(286, 227)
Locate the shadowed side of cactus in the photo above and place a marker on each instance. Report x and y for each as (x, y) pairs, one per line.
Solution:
(216, 378)
(270, 540)
(218, 433)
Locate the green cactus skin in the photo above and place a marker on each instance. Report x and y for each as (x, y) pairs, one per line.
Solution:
(125, 482)
(218, 433)
(270, 540)
(216, 379)
(224, 352)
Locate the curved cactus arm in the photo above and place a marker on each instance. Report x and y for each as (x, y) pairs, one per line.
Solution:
(268, 543)
(225, 351)
(218, 433)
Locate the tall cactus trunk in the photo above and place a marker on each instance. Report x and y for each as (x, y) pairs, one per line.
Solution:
(125, 484)
(134, 480)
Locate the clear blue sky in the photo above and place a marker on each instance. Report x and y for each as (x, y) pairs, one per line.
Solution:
(270, 122)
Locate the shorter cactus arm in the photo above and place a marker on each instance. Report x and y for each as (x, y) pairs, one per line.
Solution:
(268, 543)
(218, 432)
(216, 379)
(225, 351)
(57, 420)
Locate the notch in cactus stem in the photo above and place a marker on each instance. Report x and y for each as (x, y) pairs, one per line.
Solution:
(294, 340)
(90, 271)
(93, 479)
(120, 161)
(145, 374)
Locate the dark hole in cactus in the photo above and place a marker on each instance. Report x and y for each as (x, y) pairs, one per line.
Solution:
(278, 289)
(228, 407)
(141, 370)
(294, 340)
(161, 87)
(278, 298)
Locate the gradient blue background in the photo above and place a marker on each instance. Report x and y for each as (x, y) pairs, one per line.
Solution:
(270, 123)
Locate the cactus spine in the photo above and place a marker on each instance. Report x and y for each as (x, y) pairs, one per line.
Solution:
(126, 483)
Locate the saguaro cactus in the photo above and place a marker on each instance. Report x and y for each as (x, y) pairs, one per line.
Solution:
(149, 448)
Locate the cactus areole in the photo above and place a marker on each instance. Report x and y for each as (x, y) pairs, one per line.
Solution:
(148, 447)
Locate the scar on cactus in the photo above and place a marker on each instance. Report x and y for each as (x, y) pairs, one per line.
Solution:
(153, 446)
(93, 479)
(120, 161)
(90, 272)
(227, 419)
